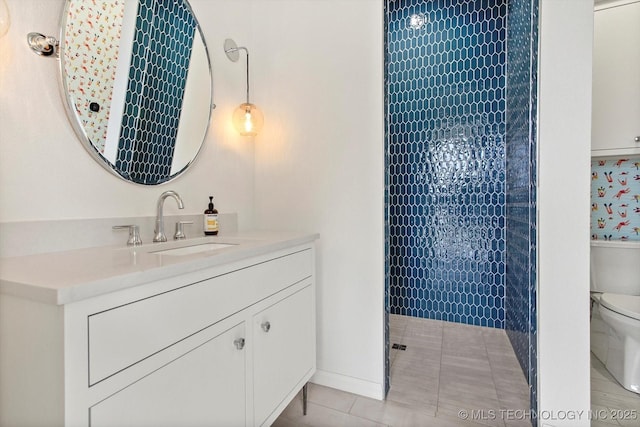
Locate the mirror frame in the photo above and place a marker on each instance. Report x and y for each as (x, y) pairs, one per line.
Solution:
(76, 124)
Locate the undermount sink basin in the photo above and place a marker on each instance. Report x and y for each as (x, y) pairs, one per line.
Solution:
(194, 249)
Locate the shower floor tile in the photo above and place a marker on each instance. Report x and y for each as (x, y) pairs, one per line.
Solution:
(445, 368)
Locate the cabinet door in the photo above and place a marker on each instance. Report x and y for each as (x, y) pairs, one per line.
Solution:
(205, 387)
(284, 350)
(616, 78)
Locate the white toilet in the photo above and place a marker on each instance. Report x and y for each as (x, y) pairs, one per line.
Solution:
(615, 318)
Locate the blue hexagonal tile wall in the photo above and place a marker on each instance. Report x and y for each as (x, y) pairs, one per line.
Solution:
(155, 90)
(446, 159)
(520, 289)
(460, 165)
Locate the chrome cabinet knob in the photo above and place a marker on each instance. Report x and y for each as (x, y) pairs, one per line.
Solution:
(266, 326)
(637, 139)
(239, 343)
(134, 234)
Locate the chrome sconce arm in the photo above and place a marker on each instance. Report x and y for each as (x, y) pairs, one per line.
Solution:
(232, 51)
(43, 45)
(247, 118)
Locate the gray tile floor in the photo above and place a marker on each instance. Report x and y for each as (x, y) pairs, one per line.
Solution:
(447, 368)
(611, 404)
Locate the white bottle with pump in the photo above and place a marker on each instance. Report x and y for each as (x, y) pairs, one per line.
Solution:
(211, 219)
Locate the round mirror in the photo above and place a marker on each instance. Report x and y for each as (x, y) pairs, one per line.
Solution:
(137, 84)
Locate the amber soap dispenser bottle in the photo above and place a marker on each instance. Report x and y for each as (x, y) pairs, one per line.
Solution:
(211, 219)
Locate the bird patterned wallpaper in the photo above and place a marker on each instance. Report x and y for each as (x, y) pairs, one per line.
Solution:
(92, 38)
(615, 198)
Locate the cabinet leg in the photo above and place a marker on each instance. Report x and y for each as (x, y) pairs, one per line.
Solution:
(304, 399)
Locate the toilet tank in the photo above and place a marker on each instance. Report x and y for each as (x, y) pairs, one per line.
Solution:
(615, 267)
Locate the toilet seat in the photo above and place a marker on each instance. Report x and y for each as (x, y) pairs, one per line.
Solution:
(627, 305)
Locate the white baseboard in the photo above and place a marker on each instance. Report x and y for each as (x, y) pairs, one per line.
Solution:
(349, 384)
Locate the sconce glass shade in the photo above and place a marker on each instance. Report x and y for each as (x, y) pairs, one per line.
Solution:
(5, 19)
(248, 119)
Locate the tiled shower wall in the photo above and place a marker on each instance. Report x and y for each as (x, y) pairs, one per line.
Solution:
(445, 159)
(460, 159)
(155, 90)
(520, 295)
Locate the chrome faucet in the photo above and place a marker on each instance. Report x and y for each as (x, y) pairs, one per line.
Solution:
(159, 231)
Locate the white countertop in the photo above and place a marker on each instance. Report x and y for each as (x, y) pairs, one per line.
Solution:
(66, 277)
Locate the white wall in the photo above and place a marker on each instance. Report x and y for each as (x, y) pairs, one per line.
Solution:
(317, 69)
(566, 33)
(46, 174)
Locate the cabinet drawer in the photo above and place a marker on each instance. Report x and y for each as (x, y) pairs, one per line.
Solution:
(205, 387)
(122, 336)
(284, 350)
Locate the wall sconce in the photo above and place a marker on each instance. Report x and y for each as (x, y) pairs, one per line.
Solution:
(5, 18)
(247, 118)
(43, 45)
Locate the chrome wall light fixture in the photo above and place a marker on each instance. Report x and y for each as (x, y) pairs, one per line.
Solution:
(43, 45)
(247, 118)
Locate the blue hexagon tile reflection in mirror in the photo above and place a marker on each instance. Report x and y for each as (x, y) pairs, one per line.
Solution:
(156, 89)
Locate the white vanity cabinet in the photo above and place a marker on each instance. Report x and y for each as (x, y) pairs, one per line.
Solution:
(229, 345)
(616, 80)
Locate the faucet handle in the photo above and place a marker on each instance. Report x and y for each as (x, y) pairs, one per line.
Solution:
(180, 230)
(134, 234)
